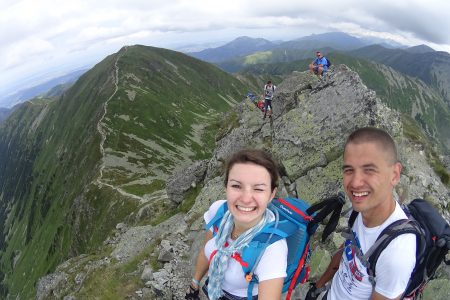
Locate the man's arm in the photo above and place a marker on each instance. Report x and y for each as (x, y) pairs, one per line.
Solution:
(331, 269)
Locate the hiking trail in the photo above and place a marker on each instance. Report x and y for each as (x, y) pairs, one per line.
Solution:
(102, 131)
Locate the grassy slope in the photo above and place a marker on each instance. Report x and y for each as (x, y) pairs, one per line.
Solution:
(46, 173)
(408, 95)
(168, 100)
(62, 157)
(431, 67)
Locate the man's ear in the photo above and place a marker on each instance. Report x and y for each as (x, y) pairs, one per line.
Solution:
(397, 170)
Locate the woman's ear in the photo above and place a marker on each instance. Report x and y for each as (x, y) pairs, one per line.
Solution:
(273, 194)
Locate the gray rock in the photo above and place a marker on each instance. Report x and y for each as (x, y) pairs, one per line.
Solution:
(79, 278)
(147, 274)
(165, 244)
(165, 256)
(50, 285)
(121, 226)
(182, 180)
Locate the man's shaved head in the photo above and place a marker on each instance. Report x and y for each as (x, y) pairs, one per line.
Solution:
(377, 136)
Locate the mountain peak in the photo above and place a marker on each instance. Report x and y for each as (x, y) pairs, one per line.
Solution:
(240, 46)
(420, 49)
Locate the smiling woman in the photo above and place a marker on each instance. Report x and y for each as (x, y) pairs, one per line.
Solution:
(251, 181)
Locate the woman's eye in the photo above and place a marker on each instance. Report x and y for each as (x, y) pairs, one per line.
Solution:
(235, 186)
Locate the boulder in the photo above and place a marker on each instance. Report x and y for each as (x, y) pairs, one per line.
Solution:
(184, 179)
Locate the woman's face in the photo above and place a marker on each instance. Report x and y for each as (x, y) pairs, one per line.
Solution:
(248, 193)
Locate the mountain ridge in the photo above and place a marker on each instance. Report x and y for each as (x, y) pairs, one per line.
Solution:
(431, 67)
(133, 117)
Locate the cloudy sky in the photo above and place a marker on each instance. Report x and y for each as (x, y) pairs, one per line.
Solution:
(40, 39)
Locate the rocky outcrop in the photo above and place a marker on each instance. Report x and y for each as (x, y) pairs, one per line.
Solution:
(182, 180)
(306, 134)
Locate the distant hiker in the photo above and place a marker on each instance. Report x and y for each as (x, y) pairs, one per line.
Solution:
(251, 181)
(371, 170)
(269, 89)
(319, 65)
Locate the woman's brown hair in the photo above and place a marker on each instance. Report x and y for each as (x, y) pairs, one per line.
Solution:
(257, 157)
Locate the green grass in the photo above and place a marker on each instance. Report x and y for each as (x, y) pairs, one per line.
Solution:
(142, 189)
(119, 281)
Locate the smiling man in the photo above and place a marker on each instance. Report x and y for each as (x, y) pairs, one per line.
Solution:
(370, 172)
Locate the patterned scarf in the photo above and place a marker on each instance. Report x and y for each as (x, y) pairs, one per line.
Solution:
(219, 262)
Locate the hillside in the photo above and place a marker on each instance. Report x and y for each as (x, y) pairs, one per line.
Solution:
(432, 67)
(4, 113)
(73, 168)
(306, 134)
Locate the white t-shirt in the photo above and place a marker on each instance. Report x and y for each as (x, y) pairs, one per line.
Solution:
(393, 268)
(272, 264)
(268, 91)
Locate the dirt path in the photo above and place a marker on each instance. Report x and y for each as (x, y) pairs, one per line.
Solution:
(102, 132)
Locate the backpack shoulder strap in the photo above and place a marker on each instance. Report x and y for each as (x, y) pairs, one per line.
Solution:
(397, 228)
(215, 221)
(391, 232)
(352, 218)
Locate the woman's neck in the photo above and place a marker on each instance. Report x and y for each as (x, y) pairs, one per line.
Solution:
(239, 228)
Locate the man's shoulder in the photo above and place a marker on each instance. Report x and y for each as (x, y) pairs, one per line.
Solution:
(397, 214)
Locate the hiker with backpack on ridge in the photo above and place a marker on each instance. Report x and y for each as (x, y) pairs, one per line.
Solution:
(269, 89)
(371, 170)
(251, 181)
(319, 65)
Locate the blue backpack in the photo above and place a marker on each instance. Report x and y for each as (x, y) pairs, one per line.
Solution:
(296, 221)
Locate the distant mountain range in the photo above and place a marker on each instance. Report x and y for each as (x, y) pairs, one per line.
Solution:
(423, 62)
(244, 46)
(41, 89)
(433, 67)
(238, 47)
